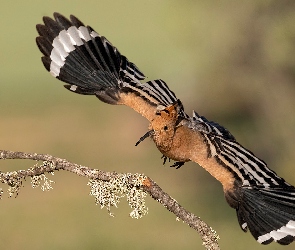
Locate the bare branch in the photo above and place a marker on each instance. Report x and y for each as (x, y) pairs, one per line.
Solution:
(207, 234)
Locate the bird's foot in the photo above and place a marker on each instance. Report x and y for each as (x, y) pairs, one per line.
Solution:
(178, 164)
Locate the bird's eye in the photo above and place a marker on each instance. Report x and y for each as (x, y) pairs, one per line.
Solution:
(165, 128)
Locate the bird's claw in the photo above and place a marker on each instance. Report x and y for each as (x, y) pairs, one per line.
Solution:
(165, 159)
(178, 164)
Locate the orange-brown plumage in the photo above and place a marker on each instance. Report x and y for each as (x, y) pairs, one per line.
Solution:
(180, 143)
(138, 104)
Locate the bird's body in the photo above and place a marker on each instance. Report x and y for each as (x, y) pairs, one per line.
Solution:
(91, 65)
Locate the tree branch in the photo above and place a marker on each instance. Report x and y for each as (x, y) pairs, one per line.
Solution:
(51, 164)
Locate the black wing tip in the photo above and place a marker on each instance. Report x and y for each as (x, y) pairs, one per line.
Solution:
(286, 240)
(47, 20)
(75, 21)
(41, 29)
(50, 29)
(268, 213)
(52, 26)
(62, 20)
(46, 62)
(57, 15)
(44, 46)
(73, 53)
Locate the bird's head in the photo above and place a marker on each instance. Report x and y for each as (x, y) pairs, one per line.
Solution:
(164, 125)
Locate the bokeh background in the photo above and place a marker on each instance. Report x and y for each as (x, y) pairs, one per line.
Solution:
(231, 61)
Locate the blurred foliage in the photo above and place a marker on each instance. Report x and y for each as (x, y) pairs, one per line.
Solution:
(231, 61)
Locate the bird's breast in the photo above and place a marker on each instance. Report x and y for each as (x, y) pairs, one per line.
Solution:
(175, 146)
(189, 145)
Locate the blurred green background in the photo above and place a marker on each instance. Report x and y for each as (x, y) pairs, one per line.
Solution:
(231, 61)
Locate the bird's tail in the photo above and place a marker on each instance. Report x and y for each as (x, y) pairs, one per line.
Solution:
(89, 63)
(268, 213)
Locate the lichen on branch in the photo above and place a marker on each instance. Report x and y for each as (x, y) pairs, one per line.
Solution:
(108, 194)
(106, 187)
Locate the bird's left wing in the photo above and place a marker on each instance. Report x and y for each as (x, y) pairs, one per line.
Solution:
(222, 145)
(91, 65)
(264, 202)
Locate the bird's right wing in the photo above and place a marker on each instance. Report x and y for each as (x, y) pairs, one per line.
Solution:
(91, 65)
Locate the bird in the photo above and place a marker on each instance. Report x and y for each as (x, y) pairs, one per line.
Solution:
(90, 65)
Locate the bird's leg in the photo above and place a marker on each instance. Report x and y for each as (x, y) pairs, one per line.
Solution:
(177, 164)
(146, 135)
(164, 159)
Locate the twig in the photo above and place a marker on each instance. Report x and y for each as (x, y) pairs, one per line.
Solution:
(207, 234)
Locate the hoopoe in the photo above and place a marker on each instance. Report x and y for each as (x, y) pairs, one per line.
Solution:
(91, 65)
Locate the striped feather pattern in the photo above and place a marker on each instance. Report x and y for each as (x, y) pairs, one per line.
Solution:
(76, 54)
(253, 170)
(222, 145)
(265, 202)
(210, 127)
(268, 213)
(157, 93)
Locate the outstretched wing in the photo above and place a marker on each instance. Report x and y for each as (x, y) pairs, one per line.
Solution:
(264, 202)
(222, 145)
(201, 124)
(91, 65)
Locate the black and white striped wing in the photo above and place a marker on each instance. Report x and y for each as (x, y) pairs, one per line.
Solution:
(200, 123)
(267, 203)
(76, 54)
(264, 202)
(157, 93)
(268, 213)
(222, 145)
(90, 64)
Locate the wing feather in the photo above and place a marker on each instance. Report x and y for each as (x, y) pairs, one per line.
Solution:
(91, 65)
